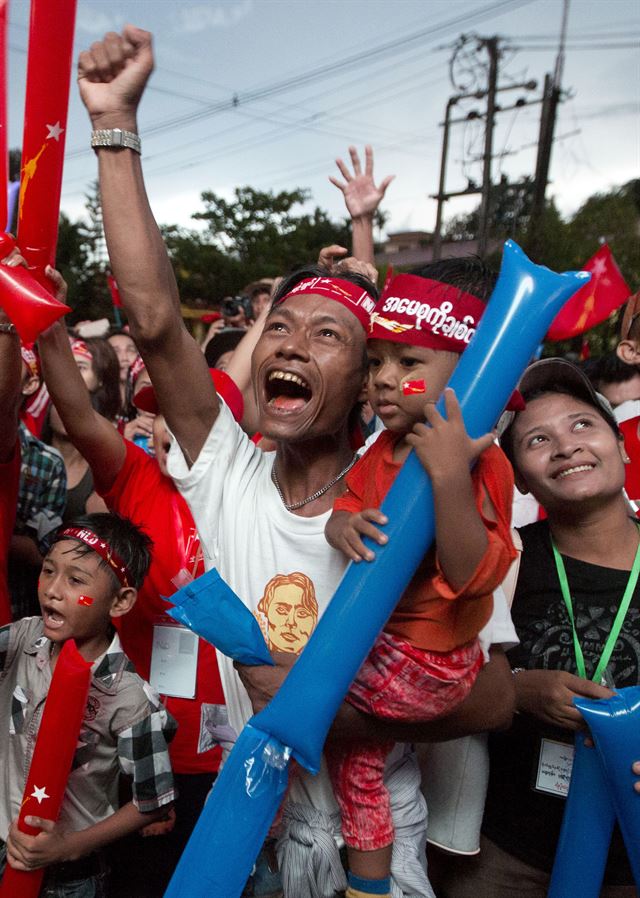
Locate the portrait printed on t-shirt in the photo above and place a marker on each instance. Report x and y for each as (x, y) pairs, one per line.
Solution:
(288, 612)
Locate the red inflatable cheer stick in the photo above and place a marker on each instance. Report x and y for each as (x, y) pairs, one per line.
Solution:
(52, 758)
(45, 121)
(28, 304)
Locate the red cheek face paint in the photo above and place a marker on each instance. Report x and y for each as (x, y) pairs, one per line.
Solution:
(409, 387)
(85, 600)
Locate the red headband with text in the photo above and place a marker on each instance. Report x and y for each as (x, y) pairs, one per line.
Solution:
(348, 294)
(102, 548)
(136, 370)
(31, 360)
(422, 312)
(80, 348)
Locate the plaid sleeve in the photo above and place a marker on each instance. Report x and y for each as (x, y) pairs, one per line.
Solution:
(144, 756)
(54, 500)
(5, 634)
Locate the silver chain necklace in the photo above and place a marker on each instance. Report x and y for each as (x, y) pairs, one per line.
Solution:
(324, 489)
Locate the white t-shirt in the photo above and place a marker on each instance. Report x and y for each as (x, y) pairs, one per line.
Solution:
(250, 538)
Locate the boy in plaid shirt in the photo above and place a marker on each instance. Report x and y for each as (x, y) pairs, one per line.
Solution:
(90, 575)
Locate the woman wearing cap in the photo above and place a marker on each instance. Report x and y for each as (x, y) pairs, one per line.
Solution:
(566, 449)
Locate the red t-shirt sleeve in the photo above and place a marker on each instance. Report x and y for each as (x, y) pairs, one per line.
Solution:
(367, 483)
(492, 477)
(138, 475)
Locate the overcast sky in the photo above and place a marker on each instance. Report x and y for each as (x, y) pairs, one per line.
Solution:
(212, 57)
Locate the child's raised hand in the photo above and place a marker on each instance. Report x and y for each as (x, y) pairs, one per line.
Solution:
(442, 444)
(345, 532)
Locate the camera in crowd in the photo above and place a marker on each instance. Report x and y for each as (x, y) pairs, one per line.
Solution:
(233, 305)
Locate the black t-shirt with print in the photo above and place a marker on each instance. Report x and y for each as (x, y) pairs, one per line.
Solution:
(520, 820)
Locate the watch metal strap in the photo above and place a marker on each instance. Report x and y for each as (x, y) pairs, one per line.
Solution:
(116, 138)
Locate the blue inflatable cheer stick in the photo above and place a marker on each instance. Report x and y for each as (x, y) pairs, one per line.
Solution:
(526, 299)
(587, 824)
(615, 725)
(211, 609)
(234, 822)
(522, 306)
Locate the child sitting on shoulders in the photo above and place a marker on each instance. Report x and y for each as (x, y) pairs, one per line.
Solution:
(427, 658)
(90, 575)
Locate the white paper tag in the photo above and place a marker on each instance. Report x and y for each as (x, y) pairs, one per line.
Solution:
(174, 661)
(554, 767)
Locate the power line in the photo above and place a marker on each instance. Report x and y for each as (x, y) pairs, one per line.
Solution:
(331, 69)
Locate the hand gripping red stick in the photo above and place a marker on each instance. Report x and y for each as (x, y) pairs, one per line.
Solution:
(52, 759)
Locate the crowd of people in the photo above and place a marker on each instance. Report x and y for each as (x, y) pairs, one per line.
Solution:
(133, 462)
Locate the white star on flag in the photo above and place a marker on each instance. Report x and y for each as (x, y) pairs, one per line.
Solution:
(54, 131)
(40, 793)
(599, 267)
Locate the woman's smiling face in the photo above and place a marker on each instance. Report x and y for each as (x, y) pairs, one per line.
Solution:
(565, 452)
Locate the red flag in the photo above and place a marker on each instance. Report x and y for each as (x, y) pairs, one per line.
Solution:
(115, 293)
(594, 302)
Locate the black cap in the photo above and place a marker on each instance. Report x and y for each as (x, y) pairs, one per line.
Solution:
(546, 375)
(225, 340)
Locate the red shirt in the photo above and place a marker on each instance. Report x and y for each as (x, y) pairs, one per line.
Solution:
(9, 485)
(629, 430)
(143, 494)
(427, 616)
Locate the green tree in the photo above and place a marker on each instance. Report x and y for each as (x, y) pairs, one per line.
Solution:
(261, 230)
(204, 273)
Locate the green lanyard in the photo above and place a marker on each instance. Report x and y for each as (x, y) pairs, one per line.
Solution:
(617, 624)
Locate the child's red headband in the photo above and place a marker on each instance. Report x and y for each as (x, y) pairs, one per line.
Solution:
(422, 312)
(348, 294)
(102, 548)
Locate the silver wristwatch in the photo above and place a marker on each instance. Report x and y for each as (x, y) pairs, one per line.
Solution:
(116, 138)
(6, 327)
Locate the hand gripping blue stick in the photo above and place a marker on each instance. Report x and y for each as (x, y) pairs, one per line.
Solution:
(525, 300)
(587, 824)
(615, 726)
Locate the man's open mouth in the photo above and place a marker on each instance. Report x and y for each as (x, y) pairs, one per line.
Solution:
(287, 391)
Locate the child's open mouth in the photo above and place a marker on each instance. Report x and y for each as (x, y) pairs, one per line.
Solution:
(52, 619)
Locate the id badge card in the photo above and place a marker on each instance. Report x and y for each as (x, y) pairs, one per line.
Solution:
(174, 661)
(555, 762)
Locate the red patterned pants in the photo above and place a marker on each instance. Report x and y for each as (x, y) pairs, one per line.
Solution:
(396, 682)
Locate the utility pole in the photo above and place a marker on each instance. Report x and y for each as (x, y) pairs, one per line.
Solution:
(437, 234)
(552, 95)
(492, 110)
(491, 45)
